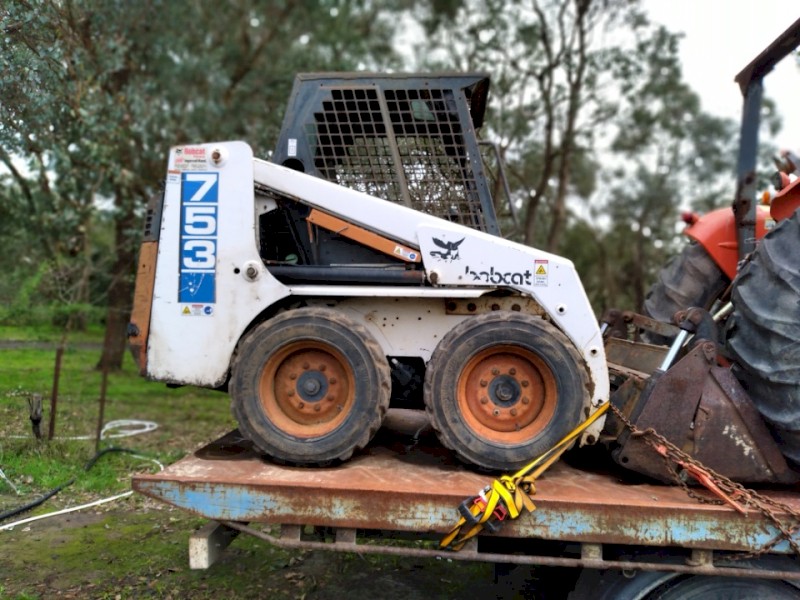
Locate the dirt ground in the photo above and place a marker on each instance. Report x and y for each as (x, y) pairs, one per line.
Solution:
(139, 550)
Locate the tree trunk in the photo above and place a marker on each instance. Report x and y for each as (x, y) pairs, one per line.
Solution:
(559, 213)
(638, 269)
(79, 319)
(120, 291)
(544, 79)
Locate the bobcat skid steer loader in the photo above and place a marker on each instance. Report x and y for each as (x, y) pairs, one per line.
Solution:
(358, 270)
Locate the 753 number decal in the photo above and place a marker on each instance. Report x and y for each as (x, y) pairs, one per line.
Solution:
(198, 251)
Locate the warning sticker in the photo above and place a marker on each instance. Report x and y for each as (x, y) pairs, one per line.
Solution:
(405, 253)
(190, 158)
(540, 270)
(197, 310)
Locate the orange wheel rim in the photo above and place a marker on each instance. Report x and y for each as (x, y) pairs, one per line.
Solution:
(307, 389)
(507, 394)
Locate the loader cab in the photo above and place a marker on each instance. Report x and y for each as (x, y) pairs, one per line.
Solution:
(409, 139)
(406, 139)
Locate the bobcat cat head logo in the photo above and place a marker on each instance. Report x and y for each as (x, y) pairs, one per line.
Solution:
(450, 249)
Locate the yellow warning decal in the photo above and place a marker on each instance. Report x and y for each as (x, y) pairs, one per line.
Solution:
(540, 273)
(186, 310)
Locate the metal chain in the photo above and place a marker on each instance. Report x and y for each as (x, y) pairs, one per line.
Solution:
(737, 492)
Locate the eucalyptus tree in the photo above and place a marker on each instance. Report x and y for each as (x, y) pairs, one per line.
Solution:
(599, 129)
(93, 93)
(548, 61)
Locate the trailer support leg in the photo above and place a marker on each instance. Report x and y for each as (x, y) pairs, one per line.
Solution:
(207, 544)
(701, 558)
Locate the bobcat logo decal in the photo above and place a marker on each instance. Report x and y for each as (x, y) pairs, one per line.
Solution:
(450, 249)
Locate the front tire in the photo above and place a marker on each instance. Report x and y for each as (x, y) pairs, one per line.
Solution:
(310, 386)
(503, 387)
(689, 279)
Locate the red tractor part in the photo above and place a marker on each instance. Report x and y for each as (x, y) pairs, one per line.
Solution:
(716, 232)
(786, 201)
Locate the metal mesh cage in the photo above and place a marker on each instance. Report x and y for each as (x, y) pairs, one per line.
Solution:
(403, 145)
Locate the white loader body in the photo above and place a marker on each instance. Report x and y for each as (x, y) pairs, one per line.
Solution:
(211, 284)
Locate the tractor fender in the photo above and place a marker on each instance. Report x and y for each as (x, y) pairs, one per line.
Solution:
(786, 201)
(716, 232)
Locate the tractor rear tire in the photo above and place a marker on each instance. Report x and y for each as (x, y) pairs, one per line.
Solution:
(310, 386)
(689, 279)
(503, 387)
(763, 332)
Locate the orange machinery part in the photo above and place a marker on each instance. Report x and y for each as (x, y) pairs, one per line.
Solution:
(143, 302)
(716, 232)
(786, 201)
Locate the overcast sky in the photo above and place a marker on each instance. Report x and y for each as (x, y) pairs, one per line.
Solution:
(721, 38)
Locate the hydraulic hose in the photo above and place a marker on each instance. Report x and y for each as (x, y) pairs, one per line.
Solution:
(92, 461)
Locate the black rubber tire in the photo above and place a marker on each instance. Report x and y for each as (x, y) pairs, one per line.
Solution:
(763, 333)
(614, 584)
(526, 348)
(700, 587)
(310, 425)
(689, 279)
(652, 585)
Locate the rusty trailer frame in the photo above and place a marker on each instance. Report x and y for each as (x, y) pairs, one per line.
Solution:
(406, 489)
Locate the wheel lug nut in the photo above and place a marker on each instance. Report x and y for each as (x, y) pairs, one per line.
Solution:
(316, 407)
(339, 407)
(293, 376)
(525, 383)
(330, 398)
(300, 405)
(332, 381)
(496, 412)
(512, 371)
(526, 400)
(484, 400)
(306, 365)
(484, 383)
(322, 367)
(495, 371)
(513, 412)
(291, 392)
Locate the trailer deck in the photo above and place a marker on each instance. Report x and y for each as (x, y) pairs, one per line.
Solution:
(399, 484)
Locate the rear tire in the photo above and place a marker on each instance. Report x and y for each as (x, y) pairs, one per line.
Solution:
(764, 331)
(699, 587)
(689, 279)
(310, 386)
(503, 387)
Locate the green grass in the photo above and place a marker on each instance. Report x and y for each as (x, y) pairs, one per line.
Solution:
(134, 555)
(136, 547)
(130, 555)
(186, 418)
(50, 333)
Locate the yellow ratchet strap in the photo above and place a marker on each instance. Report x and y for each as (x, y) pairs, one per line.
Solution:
(508, 495)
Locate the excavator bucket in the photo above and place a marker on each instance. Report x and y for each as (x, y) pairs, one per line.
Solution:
(696, 404)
